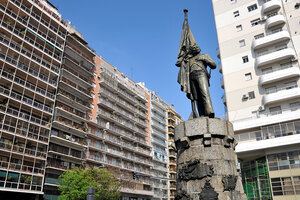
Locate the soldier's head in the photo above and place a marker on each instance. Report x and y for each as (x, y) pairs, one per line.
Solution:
(195, 49)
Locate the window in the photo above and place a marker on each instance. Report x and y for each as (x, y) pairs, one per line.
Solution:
(275, 110)
(236, 13)
(270, 90)
(267, 70)
(252, 7)
(295, 106)
(259, 36)
(290, 85)
(286, 65)
(255, 22)
(251, 95)
(239, 28)
(248, 77)
(245, 59)
(233, 1)
(242, 43)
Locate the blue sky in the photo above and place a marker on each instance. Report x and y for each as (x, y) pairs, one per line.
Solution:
(141, 38)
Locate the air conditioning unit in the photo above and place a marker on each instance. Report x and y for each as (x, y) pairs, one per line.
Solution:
(261, 108)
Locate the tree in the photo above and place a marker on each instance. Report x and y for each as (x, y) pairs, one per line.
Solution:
(74, 183)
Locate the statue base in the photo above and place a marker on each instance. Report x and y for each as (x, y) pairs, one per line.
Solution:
(206, 162)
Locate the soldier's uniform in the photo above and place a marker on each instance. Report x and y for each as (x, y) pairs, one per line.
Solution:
(199, 83)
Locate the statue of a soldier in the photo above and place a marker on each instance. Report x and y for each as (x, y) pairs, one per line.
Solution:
(193, 75)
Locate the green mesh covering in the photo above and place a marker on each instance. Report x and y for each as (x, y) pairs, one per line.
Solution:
(255, 177)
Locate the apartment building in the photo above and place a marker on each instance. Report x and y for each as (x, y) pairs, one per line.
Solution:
(73, 98)
(118, 131)
(173, 120)
(259, 47)
(32, 37)
(158, 131)
(63, 106)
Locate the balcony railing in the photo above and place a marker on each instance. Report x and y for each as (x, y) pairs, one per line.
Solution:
(28, 53)
(27, 69)
(26, 100)
(20, 149)
(279, 74)
(25, 23)
(25, 131)
(78, 64)
(69, 123)
(24, 115)
(22, 82)
(21, 167)
(160, 134)
(269, 132)
(79, 52)
(72, 97)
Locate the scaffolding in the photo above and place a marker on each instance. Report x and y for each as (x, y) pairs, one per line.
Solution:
(255, 177)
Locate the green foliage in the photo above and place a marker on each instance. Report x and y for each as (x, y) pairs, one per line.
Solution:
(74, 184)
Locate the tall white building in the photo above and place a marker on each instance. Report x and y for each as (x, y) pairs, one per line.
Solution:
(259, 46)
(158, 132)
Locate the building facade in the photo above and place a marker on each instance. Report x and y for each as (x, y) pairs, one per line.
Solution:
(160, 159)
(259, 47)
(62, 106)
(118, 131)
(73, 98)
(32, 44)
(173, 120)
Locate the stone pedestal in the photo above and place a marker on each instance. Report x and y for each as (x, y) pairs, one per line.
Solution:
(206, 162)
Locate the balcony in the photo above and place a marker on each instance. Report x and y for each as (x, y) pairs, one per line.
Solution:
(275, 21)
(27, 69)
(159, 134)
(67, 125)
(75, 89)
(31, 151)
(220, 67)
(271, 39)
(25, 116)
(76, 55)
(23, 83)
(21, 167)
(52, 181)
(279, 75)
(218, 52)
(275, 56)
(75, 77)
(21, 131)
(28, 53)
(79, 67)
(68, 141)
(72, 100)
(70, 113)
(271, 6)
(266, 118)
(281, 94)
(159, 142)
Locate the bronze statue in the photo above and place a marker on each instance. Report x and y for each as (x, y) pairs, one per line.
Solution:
(193, 75)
